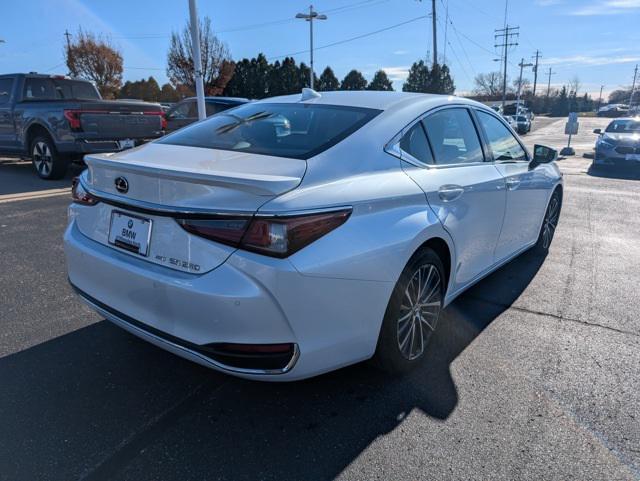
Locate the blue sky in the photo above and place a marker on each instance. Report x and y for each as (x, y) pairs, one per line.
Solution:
(596, 40)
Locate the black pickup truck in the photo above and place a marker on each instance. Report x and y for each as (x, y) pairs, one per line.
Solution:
(53, 120)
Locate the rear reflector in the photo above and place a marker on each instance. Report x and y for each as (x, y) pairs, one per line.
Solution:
(262, 357)
(276, 236)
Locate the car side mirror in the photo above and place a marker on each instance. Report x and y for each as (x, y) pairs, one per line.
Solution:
(542, 155)
(597, 131)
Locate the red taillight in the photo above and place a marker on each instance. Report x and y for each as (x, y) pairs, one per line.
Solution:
(277, 236)
(226, 230)
(163, 120)
(80, 195)
(73, 116)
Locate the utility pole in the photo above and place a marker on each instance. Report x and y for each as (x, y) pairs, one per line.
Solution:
(435, 38)
(521, 65)
(535, 72)
(509, 38)
(599, 98)
(310, 17)
(550, 73)
(197, 59)
(68, 35)
(446, 25)
(633, 86)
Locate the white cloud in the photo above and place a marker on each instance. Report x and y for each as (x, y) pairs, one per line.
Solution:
(608, 7)
(400, 52)
(399, 74)
(592, 60)
(547, 3)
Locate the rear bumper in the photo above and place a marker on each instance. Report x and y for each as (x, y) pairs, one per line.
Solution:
(248, 299)
(87, 146)
(611, 157)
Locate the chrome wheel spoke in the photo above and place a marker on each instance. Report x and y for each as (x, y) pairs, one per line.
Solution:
(419, 311)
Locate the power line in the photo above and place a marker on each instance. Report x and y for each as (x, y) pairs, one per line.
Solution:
(253, 26)
(358, 37)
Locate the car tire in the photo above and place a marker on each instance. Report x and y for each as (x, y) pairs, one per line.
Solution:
(407, 328)
(47, 162)
(549, 223)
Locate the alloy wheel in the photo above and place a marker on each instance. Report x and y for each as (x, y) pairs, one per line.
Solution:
(42, 158)
(550, 221)
(419, 311)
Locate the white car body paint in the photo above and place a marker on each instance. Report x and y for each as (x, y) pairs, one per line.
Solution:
(329, 298)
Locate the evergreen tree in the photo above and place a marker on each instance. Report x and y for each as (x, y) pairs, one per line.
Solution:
(168, 93)
(419, 78)
(354, 80)
(151, 90)
(440, 80)
(328, 81)
(560, 105)
(380, 82)
(289, 76)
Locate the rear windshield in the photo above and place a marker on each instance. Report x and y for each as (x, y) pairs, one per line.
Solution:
(42, 88)
(622, 126)
(282, 130)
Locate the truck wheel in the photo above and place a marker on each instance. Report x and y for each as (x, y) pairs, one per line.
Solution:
(49, 164)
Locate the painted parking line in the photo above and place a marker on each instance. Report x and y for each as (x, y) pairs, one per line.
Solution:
(40, 194)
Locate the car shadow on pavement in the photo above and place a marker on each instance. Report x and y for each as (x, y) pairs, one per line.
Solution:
(614, 172)
(19, 177)
(98, 403)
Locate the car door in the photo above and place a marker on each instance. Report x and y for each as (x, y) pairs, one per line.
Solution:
(446, 159)
(7, 126)
(182, 114)
(527, 190)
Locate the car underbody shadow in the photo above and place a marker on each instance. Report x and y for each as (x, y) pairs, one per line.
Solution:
(615, 172)
(98, 403)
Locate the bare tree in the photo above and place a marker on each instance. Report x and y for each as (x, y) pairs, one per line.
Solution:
(574, 85)
(488, 84)
(217, 67)
(94, 58)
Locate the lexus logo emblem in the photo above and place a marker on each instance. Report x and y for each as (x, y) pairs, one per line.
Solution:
(122, 185)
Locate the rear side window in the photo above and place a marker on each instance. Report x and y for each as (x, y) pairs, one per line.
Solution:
(283, 130)
(52, 89)
(39, 89)
(415, 143)
(6, 86)
(453, 137)
(503, 144)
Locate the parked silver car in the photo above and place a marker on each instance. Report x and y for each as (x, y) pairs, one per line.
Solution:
(281, 253)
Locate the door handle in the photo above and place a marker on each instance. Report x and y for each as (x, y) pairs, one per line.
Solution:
(512, 182)
(450, 192)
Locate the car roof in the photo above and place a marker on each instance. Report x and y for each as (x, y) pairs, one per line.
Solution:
(380, 100)
(225, 100)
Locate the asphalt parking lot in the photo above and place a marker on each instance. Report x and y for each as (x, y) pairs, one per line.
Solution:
(533, 373)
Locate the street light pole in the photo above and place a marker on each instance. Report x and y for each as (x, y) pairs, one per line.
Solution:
(310, 17)
(633, 86)
(197, 59)
(599, 98)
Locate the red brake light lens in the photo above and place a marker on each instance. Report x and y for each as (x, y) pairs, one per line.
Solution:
(226, 230)
(80, 195)
(274, 236)
(73, 116)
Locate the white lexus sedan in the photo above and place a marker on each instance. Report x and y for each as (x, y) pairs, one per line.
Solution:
(295, 235)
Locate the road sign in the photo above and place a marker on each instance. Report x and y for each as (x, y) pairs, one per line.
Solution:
(570, 128)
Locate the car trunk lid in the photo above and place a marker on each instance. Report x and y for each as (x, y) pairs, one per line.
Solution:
(166, 183)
